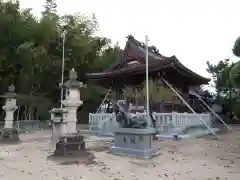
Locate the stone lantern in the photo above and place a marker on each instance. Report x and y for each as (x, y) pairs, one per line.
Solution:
(9, 132)
(70, 140)
(57, 116)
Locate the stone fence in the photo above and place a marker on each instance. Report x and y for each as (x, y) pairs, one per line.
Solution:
(97, 120)
(29, 125)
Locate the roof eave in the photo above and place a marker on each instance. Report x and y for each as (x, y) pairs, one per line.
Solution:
(188, 71)
(136, 70)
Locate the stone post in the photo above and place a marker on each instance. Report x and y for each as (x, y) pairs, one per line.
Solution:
(57, 117)
(9, 132)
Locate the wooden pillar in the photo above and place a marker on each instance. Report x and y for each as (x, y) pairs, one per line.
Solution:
(173, 101)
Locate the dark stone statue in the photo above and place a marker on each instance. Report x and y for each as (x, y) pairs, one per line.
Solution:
(128, 121)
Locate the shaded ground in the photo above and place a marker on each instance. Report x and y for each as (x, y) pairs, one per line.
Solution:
(195, 159)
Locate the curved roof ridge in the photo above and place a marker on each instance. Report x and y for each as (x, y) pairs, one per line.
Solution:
(135, 50)
(151, 49)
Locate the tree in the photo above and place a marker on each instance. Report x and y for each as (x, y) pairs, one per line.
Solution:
(236, 47)
(31, 54)
(50, 7)
(234, 75)
(235, 72)
(224, 75)
(219, 74)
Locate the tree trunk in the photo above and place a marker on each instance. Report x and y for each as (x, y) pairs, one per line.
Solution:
(137, 104)
(18, 112)
(29, 113)
(25, 113)
(36, 113)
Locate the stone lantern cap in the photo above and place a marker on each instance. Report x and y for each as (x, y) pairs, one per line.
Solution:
(73, 82)
(11, 92)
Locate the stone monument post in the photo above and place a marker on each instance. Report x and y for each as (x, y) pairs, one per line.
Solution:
(9, 132)
(70, 140)
(133, 137)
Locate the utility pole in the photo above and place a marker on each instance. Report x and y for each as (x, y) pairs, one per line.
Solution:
(63, 63)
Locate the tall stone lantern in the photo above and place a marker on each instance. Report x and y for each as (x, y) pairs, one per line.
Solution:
(9, 132)
(70, 140)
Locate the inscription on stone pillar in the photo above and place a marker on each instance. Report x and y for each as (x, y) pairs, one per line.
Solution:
(132, 140)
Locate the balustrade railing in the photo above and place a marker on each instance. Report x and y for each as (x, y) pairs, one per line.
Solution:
(96, 120)
(162, 120)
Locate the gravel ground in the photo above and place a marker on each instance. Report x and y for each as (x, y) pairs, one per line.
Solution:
(195, 159)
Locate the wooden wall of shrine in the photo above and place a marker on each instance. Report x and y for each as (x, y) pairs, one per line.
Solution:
(169, 100)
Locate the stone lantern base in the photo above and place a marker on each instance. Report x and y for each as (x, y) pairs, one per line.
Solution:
(69, 144)
(9, 135)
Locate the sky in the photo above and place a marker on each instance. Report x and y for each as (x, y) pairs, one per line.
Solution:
(195, 31)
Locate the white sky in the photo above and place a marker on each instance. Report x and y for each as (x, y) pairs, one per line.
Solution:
(195, 31)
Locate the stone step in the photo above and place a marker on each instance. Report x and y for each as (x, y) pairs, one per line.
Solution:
(190, 133)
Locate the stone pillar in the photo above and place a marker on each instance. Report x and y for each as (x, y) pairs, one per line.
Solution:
(9, 108)
(57, 117)
(9, 132)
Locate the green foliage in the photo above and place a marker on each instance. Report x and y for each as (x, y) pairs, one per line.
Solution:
(31, 52)
(226, 77)
(236, 47)
(217, 70)
(236, 108)
(50, 7)
(234, 75)
(220, 74)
